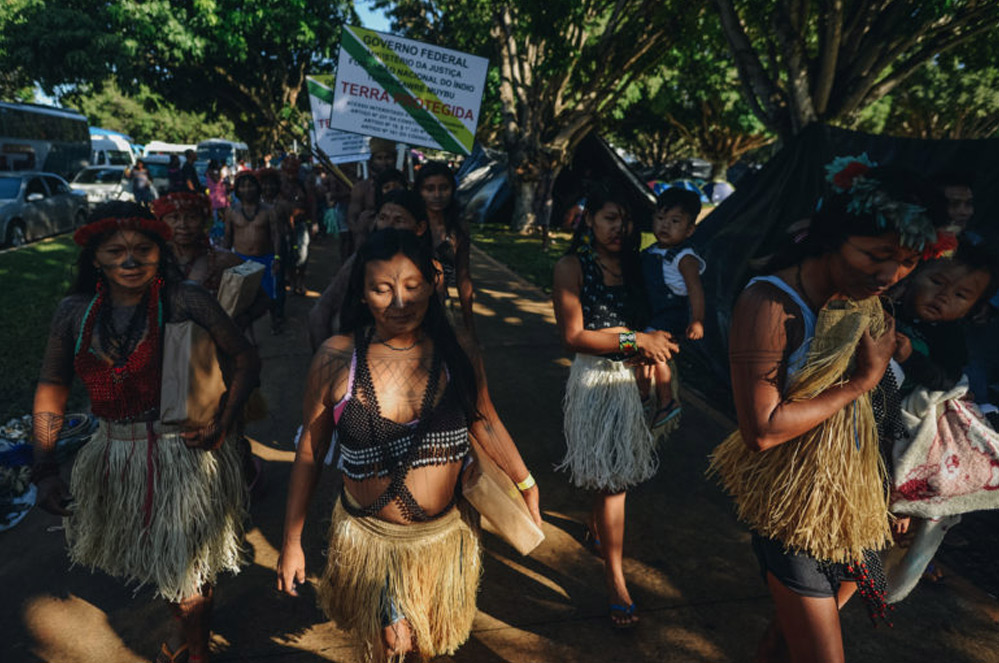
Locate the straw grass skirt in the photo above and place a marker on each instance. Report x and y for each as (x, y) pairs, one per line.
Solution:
(176, 536)
(609, 446)
(825, 492)
(428, 572)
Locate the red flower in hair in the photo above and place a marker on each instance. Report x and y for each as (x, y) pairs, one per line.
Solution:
(945, 245)
(844, 178)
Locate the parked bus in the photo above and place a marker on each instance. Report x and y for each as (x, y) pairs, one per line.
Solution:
(223, 151)
(43, 138)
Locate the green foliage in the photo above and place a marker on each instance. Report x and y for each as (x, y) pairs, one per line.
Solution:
(35, 279)
(146, 115)
(691, 105)
(246, 58)
(954, 96)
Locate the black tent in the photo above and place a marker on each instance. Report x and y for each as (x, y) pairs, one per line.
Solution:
(751, 223)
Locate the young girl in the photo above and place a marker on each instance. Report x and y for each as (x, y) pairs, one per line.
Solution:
(599, 303)
(808, 343)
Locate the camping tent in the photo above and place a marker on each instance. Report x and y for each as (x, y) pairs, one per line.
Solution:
(751, 223)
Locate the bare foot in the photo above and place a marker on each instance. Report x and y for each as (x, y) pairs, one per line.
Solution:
(397, 639)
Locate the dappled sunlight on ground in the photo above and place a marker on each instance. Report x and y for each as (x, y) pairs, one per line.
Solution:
(72, 630)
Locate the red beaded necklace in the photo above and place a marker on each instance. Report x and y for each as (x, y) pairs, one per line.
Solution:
(130, 387)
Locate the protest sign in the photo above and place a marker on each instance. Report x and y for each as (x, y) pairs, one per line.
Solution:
(339, 146)
(407, 91)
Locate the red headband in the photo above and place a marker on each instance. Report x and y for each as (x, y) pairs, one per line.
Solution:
(180, 201)
(113, 224)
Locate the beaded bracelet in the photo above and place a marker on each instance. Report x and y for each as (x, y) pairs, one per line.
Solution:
(527, 483)
(627, 342)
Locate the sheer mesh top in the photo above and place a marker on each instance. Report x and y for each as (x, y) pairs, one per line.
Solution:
(373, 447)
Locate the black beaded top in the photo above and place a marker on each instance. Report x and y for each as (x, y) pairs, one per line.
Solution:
(603, 305)
(374, 446)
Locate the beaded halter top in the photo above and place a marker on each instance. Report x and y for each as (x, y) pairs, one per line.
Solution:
(373, 446)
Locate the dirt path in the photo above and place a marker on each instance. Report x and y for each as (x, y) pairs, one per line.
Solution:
(689, 563)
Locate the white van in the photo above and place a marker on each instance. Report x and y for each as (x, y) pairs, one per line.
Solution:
(159, 147)
(110, 150)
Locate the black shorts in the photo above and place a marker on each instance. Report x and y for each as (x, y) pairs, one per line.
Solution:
(799, 572)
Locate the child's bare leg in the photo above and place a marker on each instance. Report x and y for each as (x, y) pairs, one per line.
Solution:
(664, 383)
(643, 376)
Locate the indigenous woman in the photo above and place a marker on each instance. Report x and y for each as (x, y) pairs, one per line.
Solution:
(218, 193)
(154, 504)
(401, 393)
(598, 298)
(187, 213)
(808, 344)
(452, 243)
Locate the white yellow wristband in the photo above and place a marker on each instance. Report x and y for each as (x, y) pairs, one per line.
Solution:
(527, 483)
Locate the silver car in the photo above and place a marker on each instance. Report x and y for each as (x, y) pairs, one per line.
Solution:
(102, 184)
(35, 205)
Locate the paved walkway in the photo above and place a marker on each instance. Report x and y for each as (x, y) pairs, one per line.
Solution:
(688, 561)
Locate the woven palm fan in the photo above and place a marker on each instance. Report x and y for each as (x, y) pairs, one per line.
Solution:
(823, 492)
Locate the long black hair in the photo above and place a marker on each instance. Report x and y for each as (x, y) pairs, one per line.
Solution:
(356, 318)
(598, 195)
(87, 275)
(832, 223)
(452, 221)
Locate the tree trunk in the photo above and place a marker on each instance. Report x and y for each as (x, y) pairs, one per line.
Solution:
(719, 170)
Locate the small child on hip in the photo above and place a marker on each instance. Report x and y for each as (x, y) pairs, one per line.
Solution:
(672, 273)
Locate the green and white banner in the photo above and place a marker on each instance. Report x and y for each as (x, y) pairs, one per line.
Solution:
(339, 146)
(407, 91)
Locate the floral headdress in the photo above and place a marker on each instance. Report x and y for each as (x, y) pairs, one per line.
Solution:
(849, 175)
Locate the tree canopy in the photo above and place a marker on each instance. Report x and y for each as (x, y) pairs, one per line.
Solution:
(802, 61)
(246, 58)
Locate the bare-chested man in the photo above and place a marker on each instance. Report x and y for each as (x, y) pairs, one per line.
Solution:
(362, 208)
(270, 196)
(254, 233)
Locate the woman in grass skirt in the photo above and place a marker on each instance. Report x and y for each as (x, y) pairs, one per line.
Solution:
(598, 298)
(403, 397)
(154, 504)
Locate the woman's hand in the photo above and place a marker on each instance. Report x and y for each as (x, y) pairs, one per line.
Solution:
(291, 568)
(873, 355)
(695, 331)
(657, 346)
(208, 437)
(532, 497)
(54, 496)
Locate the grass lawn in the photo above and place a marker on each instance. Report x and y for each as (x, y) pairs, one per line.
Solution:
(34, 279)
(522, 253)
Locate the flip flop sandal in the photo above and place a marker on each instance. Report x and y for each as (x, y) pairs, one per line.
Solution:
(622, 612)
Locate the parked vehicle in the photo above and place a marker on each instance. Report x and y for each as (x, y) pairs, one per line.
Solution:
(223, 151)
(157, 147)
(42, 138)
(104, 183)
(35, 205)
(110, 148)
(157, 165)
